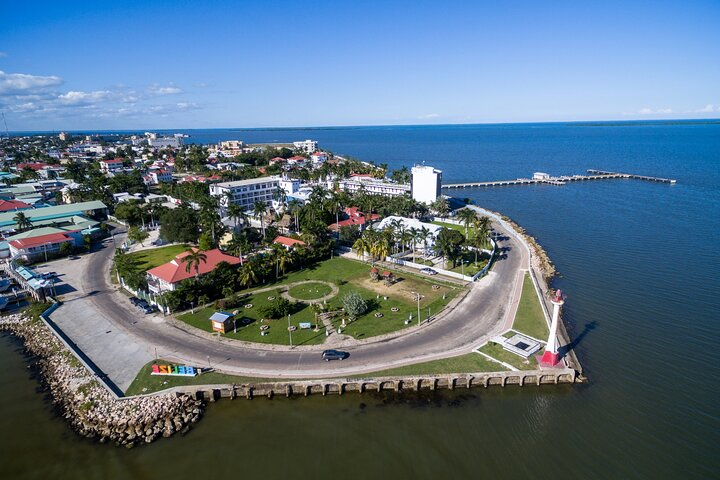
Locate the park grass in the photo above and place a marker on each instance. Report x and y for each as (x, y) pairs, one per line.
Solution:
(468, 363)
(349, 276)
(530, 319)
(497, 352)
(309, 291)
(144, 382)
(153, 257)
(470, 267)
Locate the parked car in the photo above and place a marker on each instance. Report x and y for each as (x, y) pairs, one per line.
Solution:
(47, 275)
(134, 300)
(328, 355)
(147, 309)
(428, 271)
(158, 242)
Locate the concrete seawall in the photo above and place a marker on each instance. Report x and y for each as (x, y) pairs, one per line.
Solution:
(340, 386)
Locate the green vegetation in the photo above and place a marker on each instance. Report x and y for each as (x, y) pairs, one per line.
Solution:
(146, 383)
(147, 259)
(34, 309)
(530, 319)
(497, 352)
(310, 291)
(470, 362)
(349, 276)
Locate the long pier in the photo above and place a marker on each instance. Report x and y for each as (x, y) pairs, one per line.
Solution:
(561, 180)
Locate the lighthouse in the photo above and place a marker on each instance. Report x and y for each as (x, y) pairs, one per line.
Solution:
(550, 357)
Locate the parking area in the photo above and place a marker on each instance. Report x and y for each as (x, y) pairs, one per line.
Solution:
(114, 350)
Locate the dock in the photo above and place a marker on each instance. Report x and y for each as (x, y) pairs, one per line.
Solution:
(561, 180)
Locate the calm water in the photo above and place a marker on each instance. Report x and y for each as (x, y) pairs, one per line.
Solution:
(639, 262)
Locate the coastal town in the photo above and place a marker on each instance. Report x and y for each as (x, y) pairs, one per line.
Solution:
(240, 269)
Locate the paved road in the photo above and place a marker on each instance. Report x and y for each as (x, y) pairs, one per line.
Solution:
(477, 318)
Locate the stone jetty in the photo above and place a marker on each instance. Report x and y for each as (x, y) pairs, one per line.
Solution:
(91, 409)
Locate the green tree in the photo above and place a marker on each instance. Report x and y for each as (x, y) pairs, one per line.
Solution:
(448, 242)
(354, 305)
(259, 209)
(440, 206)
(193, 259)
(137, 235)
(180, 225)
(467, 216)
(22, 221)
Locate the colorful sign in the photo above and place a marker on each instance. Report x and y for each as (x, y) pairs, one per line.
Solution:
(175, 370)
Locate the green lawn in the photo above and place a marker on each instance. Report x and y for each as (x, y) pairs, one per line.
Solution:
(471, 268)
(348, 275)
(459, 228)
(151, 258)
(497, 352)
(146, 383)
(468, 363)
(530, 319)
(310, 291)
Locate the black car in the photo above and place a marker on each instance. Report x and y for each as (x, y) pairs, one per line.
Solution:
(328, 355)
(147, 309)
(134, 300)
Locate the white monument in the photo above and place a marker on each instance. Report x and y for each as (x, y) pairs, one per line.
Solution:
(550, 358)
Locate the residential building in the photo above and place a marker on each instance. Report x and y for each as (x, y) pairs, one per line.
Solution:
(71, 213)
(426, 183)
(318, 158)
(353, 216)
(13, 205)
(156, 177)
(290, 185)
(36, 248)
(287, 242)
(307, 146)
(372, 186)
(168, 276)
(231, 147)
(246, 192)
(111, 166)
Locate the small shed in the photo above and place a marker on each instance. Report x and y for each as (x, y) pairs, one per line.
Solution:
(221, 321)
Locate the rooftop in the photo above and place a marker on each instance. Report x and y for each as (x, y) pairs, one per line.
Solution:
(176, 270)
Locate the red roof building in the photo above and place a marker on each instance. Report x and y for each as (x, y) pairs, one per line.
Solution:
(35, 248)
(288, 242)
(166, 277)
(33, 166)
(353, 216)
(12, 205)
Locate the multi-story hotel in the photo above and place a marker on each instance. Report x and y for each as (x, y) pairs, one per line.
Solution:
(373, 186)
(246, 192)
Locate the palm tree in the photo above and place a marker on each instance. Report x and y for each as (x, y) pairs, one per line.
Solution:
(424, 234)
(467, 216)
(247, 275)
(440, 206)
(236, 246)
(259, 209)
(235, 212)
(294, 207)
(193, 260)
(482, 228)
(415, 237)
(361, 246)
(280, 195)
(283, 258)
(22, 221)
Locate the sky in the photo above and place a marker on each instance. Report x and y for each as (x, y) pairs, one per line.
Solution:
(73, 65)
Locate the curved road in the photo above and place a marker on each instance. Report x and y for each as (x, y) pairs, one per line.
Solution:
(479, 316)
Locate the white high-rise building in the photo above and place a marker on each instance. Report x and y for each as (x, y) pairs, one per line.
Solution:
(307, 146)
(426, 183)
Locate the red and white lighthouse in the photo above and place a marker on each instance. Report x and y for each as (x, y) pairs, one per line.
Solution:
(550, 357)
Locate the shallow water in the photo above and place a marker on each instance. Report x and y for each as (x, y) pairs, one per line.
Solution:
(638, 261)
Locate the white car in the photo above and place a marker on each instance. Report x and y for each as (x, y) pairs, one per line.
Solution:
(428, 271)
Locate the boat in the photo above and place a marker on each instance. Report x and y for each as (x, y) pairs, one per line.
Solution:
(5, 283)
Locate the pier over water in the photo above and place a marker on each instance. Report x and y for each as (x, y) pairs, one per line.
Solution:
(561, 180)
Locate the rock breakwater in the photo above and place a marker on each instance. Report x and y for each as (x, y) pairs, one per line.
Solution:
(90, 408)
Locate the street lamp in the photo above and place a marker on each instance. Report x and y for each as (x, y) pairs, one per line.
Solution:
(418, 297)
(289, 331)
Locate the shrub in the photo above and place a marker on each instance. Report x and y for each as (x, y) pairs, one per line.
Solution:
(354, 305)
(279, 308)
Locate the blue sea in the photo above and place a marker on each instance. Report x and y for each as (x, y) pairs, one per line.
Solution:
(639, 262)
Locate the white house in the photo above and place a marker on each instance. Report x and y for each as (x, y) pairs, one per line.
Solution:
(111, 166)
(246, 192)
(307, 146)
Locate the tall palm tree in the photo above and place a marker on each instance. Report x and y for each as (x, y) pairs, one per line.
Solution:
(482, 228)
(193, 260)
(247, 275)
(280, 195)
(259, 209)
(294, 207)
(283, 258)
(361, 246)
(467, 216)
(22, 221)
(237, 245)
(414, 237)
(235, 212)
(424, 235)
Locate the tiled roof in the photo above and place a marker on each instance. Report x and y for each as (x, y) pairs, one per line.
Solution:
(287, 241)
(6, 205)
(176, 270)
(41, 240)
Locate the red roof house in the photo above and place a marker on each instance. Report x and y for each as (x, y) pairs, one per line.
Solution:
(353, 217)
(12, 205)
(166, 277)
(288, 242)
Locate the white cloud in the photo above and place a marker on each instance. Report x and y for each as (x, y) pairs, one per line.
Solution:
(428, 116)
(650, 111)
(15, 83)
(709, 108)
(83, 98)
(168, 90)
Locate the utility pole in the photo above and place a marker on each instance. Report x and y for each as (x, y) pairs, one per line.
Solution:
(289, 331)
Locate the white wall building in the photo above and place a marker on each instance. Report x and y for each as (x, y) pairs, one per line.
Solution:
(290, 185)
(246, 192)
(372, 187)
(307, 146)
(426, 183)
(111, 166)
(408, 223)
(165, 142)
